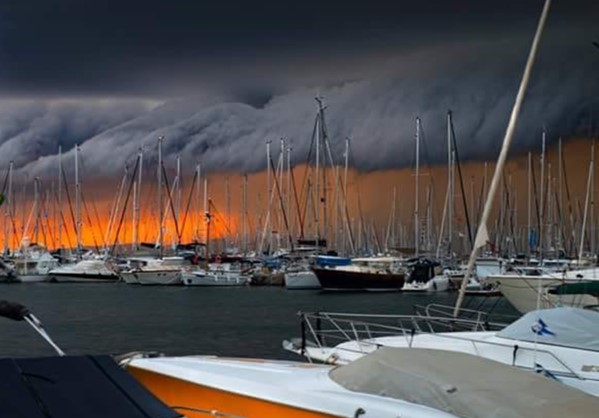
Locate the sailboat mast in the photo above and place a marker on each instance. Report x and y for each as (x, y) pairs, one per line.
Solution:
(529, 204)
(178, 195)
(244, 212)
(60, 224)
(77, 200)
(199, 201)
(36, 212)
(7, 211)
(560, 175)
(267, 227)
(542, 186)
(449, 186)
(316, 182)
(138, 198)
(159, 192)
(207, 219)
(586, 202)
(289, 192)
(482, 234)
(417, 191)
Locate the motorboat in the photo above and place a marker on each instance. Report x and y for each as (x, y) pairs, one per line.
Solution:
(363, 274)
(561, 342)
(388, 383)
(215, 275)
(68, 386)
(422, 278)
(85, 271)
(154, 271)
(34, 268)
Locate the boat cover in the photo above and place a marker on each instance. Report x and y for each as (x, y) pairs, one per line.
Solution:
(74, 387)
(463, 385)
(567, 327)
(331, 260)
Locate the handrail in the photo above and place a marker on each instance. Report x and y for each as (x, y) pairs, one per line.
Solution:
(343, 327)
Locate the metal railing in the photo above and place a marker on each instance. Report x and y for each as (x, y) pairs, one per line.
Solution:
(327, 330)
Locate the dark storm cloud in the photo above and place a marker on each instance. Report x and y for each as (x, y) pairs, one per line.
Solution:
(141, 48)
(378, 65)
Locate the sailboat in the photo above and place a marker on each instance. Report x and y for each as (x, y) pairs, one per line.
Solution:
(156, 271)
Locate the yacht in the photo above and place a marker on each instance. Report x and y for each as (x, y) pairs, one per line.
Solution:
(34, 267)
(363, 274)
(154, 271)
(388, 383)
(562, 343)
(85, 271)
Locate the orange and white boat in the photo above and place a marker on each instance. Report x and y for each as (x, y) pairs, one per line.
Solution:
(389, 383)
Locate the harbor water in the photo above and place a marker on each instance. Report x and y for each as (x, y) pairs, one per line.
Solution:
(245, 321)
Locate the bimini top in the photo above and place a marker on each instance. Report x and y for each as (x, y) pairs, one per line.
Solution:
(74, 387)
(462, 384)
(567, 327)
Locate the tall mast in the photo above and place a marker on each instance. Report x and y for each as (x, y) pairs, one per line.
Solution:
(77, 201)
(207, 219)
(592, 214)
(529, 214)
(449, 186)
(36, 212)
(60, 224)
(228, 208)
(199, 201)
(316, 182)
(560, 180)
(160, 208)
(267, 227)
(417, 191)
(7, 211)
(289, 192)
(178, 195)
(542, 186)
(244, 231)
(482, 234)
(137, 205)
(586, 202)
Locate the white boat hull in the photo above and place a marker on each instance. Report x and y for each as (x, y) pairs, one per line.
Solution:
(214, 279)
(33, 278)
(300, 280)
(129, 277)
(161, 278)
(436, 284)
(527, 293)
(82, 278)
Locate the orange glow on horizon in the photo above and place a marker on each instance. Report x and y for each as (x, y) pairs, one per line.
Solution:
(369, 199)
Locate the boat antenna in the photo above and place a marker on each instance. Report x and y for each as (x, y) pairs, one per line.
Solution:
(482, 234)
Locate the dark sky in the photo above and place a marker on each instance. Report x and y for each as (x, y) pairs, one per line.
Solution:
(220, 78)
(165, 48)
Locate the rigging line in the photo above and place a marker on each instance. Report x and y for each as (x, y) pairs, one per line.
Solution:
(85, 209)
(170, 201)
(457, 159)
(308, 173)
(284, 212)
(118, 230)
(66, 187)
(191, 190)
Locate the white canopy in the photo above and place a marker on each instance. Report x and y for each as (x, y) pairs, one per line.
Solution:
(567, 327)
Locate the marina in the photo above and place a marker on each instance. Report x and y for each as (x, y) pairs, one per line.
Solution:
(330, 240)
